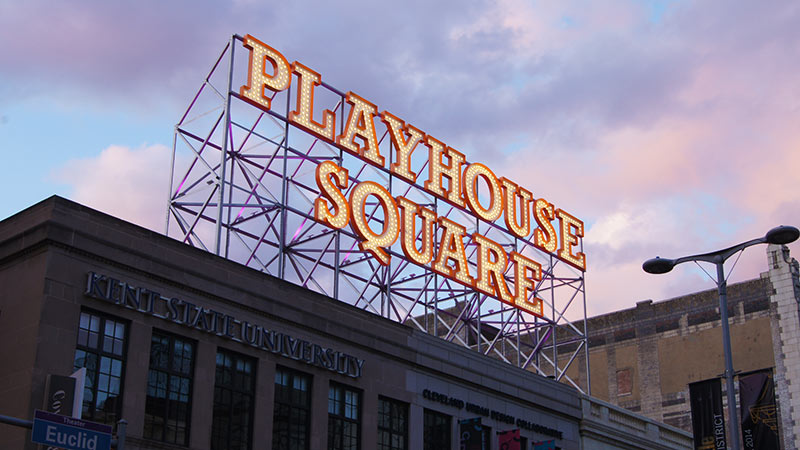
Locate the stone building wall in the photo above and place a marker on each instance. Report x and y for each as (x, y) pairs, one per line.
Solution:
(783, 272)
(61, 263)
(644, 358)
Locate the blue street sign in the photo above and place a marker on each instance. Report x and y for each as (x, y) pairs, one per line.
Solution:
(69, 433)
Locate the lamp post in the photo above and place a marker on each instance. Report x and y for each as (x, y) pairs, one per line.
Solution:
(778, 235)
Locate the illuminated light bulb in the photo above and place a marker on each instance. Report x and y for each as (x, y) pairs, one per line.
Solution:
(471, 175)
(303, 114)
(533, 305)
(409, 211)
(361, 124)
(371, 241)
(437, 170)
(526, 273)
(569, 239)
(257, 78)
(544, 236)
(405, 139)
(451, 248)
(331, 179)
(492, 262)
(512, 192)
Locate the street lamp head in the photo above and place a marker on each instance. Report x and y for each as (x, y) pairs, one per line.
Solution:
(782, 235)
(658, 265)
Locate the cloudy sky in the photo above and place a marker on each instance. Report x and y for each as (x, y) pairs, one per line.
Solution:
(669, 127)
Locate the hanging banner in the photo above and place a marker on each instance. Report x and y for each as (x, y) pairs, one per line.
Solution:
(509, 440)
(471, 433)
(545, 445)
(708, 418)
(759, 411)
(59, 395)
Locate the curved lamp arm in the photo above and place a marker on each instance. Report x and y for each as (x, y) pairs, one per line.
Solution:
(778, 235)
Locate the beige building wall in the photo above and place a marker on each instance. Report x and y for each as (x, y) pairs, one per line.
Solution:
(644, 358)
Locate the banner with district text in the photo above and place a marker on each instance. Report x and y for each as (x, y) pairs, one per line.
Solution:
(708, 417)
(759, 411)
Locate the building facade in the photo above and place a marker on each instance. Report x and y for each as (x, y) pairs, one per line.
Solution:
(644, 358)
(195, 351)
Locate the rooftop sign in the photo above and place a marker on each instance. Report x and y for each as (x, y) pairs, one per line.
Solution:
(426, 239)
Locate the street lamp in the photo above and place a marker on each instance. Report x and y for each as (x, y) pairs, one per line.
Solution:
(778, 235)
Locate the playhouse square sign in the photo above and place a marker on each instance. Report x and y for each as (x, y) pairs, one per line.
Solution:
(449, 177)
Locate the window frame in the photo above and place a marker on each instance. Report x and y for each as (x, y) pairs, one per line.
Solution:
(394, 405)
(233, 389)
(486, 436)
(101, 353)
(293, 407)
(341, 415)
(436, 445)
(170, 372)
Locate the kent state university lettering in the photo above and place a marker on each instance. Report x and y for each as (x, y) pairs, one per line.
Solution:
(195, 316)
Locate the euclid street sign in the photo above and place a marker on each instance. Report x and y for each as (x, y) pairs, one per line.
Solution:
(510, 277)
(66, 432)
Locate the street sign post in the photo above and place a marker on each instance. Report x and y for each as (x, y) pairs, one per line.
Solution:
(69, 433)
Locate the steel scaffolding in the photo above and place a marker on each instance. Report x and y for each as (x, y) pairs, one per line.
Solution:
(243, 187)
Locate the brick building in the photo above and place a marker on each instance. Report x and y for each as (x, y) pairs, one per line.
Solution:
(644, 358)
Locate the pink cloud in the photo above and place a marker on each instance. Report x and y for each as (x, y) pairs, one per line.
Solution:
(714, 164)
(127, 183)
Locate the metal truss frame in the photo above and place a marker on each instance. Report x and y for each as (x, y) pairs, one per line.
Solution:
(243, 187)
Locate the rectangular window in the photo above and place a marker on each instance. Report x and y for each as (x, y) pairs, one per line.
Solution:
(486, 436)
(436, 431)
(169, 387)
(234, 390)
(392, 424)
(624, 382)
(292, 413)
(101, 349)
(344, 418)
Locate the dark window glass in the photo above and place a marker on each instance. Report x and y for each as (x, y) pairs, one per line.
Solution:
(234, 387)
(101, 349)
(486, 436)
(436, 431)
(169, 387)
(344, 418)
(292, 414)
(392, 424)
